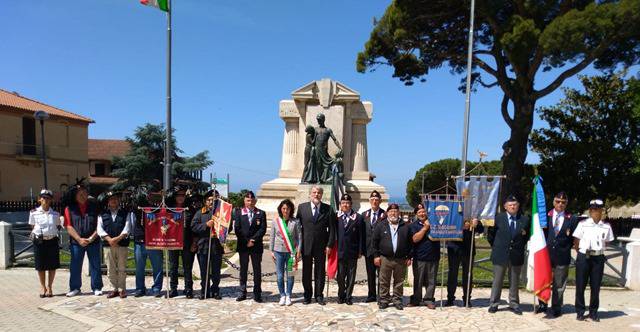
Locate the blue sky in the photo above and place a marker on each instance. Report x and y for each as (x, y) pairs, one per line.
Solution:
(233, 61)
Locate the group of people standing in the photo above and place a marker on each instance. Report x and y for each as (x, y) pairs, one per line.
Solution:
(310, 233)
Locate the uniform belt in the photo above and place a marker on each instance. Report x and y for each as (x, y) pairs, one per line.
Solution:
(595, 252)
(49, 237)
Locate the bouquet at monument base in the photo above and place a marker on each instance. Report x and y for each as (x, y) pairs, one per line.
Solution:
(163, 228)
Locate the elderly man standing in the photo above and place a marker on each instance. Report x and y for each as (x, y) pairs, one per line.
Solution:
(350, 235)
(392, 245)
(371, 218)
(426, 257)
(114, 226)
(318, 235)
(508, 239)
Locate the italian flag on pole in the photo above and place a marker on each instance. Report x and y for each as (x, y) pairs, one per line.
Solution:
(160, 4)
(538, 253)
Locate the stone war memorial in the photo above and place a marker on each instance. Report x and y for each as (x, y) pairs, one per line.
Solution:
(325, 126)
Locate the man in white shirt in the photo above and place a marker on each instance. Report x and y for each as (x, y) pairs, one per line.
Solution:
(591, 238)
(113, 227)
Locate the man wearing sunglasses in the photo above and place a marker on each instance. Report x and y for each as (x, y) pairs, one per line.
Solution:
(559, 242)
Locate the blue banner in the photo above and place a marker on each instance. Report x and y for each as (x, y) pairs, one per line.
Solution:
(445, 219)
(542, 208)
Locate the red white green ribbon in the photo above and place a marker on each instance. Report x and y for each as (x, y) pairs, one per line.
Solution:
(288, 243)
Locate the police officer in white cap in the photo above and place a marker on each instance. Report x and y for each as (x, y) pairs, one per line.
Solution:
(590, 240)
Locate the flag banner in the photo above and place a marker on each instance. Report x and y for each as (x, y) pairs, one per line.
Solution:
(538, 259)
(481, 195)
(222, 186)
(163, 228)
(222, 221)
(160, 4)
(539, 192)
(337, 190)
(445, 217)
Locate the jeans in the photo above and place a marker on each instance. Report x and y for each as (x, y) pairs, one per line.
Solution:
(281, 267)
(75, 269)
(155, 256)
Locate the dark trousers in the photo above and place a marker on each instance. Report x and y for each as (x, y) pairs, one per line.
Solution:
(346, 277)
(313, 263)
(514, 281)
(392, 268)
(256, 264)
(457, 258)
(588, 271)
(215, 264)
(372, 274)
(560, 274)
(425, 274)
(187, 268)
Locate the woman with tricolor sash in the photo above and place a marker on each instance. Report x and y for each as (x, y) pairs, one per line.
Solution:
(286, 237)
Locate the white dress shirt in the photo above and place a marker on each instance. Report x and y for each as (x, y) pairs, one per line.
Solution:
(127, 225)
(593, 236)
(44, 222)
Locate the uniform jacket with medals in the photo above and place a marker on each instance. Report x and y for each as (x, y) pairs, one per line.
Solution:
(202, 232)
(505, 247)
(250, 229)
(560, 245)
(369, 228)
(350, 232)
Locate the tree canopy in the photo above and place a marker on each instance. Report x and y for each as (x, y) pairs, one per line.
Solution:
(143, 164)
(591, 147)
(514, 42)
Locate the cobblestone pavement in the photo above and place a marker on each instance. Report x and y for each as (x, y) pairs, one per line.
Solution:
(22, 310)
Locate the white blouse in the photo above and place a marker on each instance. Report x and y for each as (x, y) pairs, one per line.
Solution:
(44, 222)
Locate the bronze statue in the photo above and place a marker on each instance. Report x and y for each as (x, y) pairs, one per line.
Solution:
(317, 161)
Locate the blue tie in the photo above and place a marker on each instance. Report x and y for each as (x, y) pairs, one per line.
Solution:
(512, 225)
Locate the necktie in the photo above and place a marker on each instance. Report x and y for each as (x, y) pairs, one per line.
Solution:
(315, 212)
(345, 221)
(512, 225)
(374, 218)
(250, 217)
(556, 229)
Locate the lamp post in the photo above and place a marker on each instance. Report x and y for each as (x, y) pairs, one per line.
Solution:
(41, 116)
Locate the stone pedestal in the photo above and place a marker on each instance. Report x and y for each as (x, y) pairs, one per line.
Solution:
(5, 245)
(347, 117)
(633, 266)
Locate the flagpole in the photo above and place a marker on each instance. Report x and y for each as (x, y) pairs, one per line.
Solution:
(167, 149)
(467, 107)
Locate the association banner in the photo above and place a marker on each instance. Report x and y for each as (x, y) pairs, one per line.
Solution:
(163, 228)
(481, 194)
(222, 221)
(445, 213)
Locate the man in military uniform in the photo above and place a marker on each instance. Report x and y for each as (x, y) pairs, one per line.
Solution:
(508, 238)
(250, 224)
(591, 238)
(209, 248)
(350, 236)
(458, 253)
(188, 252)
(371, 218)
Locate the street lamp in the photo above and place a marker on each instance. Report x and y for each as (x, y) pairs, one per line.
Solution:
(41, 116)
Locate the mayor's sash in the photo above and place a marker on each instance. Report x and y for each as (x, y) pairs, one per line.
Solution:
(445, 213)
(288, 242)
(163, 228)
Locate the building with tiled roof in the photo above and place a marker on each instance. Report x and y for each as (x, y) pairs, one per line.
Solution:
(101, 153)
(21, 166)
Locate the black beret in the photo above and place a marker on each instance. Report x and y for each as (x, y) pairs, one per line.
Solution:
(511, 198)
(393, 206)
(561, 195)
(346, 197)
(250, 194)
(210, 193)
(375, 193)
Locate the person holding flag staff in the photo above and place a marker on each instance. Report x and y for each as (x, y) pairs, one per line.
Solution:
(177, 198)
(458, 253)
(392, 243)
(318, 235)
(562, 224)
(114, 225)
(426, 256)
(250, 224)
(371, 218)
(591, 238)
(140, 251)
(508, 239)
(285, 240)
(350, 236)
(209, 248)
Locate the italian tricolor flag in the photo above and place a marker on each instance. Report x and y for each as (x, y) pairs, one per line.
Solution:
(538, 254)
(160, 4)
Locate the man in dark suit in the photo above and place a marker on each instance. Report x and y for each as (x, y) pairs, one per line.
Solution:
(458, 254)
(350, 236)
(201, 225)
(250, 224)
(371, 218)
(560, 227)
(508, 238)
(318, 235)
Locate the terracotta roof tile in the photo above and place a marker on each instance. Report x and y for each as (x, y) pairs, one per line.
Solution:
(106, 149)
(14, 100)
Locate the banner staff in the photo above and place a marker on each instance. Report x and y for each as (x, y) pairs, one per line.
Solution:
(206, 287)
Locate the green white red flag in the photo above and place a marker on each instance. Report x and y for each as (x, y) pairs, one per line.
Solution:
(160, 4)
(538, 253)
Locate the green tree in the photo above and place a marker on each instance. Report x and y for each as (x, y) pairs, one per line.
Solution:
(514, 42)
(237, 199)
(143, 164)
(590, 148)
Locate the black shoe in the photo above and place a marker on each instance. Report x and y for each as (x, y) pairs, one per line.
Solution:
(340, 301)
(594, 318)
(216, 296)
(306, 301)
(550, 315)
(468, 305)
(201, 296)
(370, 299)
(448, 303)
(188, 293)
(258, 299)
(398, 306)
(138, 294)
(581, 317)
(173, 293)
(542, 308)
(242, 297)
(349, 302)
(320, 300)
(493, 310)
(383, 306)
(516, 311)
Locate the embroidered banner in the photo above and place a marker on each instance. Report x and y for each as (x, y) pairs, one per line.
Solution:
(163, 228)
(222, 221)
(445, 217)
(481, 194)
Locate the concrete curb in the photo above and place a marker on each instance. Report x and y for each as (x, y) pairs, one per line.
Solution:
(58, 308)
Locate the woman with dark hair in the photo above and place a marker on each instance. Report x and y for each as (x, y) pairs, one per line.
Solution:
(45, 222)
(286, 237)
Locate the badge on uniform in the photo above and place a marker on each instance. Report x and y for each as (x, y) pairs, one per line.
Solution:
(568, 232)
(258, 222)
(524, 232)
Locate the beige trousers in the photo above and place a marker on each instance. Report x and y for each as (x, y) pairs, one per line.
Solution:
(116, 258)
